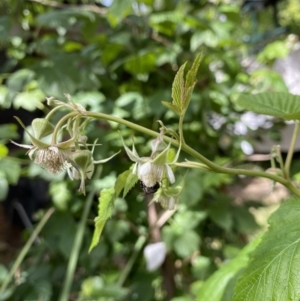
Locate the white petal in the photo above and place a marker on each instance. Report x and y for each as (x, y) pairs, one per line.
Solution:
(155, 255)
(69, 170)
(147, 173)
(170, 174)
(144, 169)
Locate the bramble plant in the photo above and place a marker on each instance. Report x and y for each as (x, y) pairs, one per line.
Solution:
(271, 271)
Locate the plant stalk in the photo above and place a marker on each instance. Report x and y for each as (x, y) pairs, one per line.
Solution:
(292, 148)
(25, 249)
(214, 167)
(77, 243)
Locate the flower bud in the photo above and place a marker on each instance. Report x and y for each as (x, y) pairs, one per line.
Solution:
(51, 101)
(42, 127)
(81, 158)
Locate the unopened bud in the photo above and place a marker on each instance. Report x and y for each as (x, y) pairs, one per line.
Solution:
(51, 101)
(82, 159)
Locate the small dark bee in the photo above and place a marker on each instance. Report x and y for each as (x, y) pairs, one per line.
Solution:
(149, 190)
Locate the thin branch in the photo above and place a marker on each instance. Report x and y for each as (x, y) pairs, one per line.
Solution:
(25, 250)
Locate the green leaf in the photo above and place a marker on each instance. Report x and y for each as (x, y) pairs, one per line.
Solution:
(3, 188)
(8, 131)
(283, 105)
(272, 51)
(182, 89)
(187, 243)
(121, 181)
(105, 211)
(118, 11)
(273, 272)
(178, 88)
(10, 169)
(221, 215)
(172, 107)
(191, 75)
(216, 285)
(130, 182)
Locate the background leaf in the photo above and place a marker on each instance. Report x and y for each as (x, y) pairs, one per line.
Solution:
(273, 272)
(283, 105)
(216, 286)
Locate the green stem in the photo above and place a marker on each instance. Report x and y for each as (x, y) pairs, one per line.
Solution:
(78, 242)
(195, 154)
(292, 148)
(25, 250)
(137, 248)
(181, 129)
(53, 111)
(60, 124)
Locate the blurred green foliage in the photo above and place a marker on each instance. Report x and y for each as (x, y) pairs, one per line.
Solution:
(121, 60)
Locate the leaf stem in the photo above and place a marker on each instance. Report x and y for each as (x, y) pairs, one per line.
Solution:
(78, 242)
(181, 129)
(25, 249)
(292, 148)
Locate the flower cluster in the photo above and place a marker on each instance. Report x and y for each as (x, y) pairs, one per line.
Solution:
(72, 155)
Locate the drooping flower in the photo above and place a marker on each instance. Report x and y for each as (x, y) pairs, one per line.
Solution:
(152, 170)
(52, 157)
(82, 165)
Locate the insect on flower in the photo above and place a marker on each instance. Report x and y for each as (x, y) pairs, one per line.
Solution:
(149, 190)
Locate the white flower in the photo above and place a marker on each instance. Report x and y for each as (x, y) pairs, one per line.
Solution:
(51, 157)
(151, 173)
(152, 170)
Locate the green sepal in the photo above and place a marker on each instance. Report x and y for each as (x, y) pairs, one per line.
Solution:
(42, 127)
(34, 141)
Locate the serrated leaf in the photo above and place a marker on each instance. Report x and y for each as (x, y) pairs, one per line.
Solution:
(172, 107)
(283, 105)
(273, 272)
(105, 211)
(178, 88)
(130, 182)
(215, 287)
(191, 75)
(121, 181)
